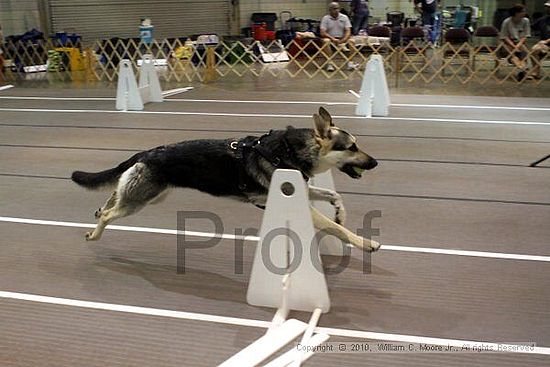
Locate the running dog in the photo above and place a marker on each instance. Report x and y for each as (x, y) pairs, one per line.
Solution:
(239, 169)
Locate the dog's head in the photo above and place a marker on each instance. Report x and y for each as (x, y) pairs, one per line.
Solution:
(339, 148)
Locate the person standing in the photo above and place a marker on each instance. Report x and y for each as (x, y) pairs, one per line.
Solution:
(427, 9)
(360, 10)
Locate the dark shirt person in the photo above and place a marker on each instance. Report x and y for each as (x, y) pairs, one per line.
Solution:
(542, 48)
(427, 8)
(360, 10)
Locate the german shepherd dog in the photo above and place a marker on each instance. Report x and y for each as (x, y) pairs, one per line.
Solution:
(239, 169)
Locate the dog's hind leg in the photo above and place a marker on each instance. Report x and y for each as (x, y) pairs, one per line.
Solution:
(136, 188)
(323, 223)
(106, 217)
(334, 198)
(108, 205)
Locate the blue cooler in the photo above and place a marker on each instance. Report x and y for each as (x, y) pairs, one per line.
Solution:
(146, 34)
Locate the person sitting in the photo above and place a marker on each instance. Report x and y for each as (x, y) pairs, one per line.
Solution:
(542, 48)
(335, 31)
(513, 33)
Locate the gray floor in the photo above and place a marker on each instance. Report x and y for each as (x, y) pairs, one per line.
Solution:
(440, 184)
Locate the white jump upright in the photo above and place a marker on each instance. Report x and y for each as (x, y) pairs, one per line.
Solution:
(374, 97)
(130, 95)
(286, 274)
(286, 224)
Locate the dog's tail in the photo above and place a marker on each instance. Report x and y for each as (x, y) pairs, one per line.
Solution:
(104, 179)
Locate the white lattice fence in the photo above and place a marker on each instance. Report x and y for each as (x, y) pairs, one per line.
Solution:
(181, 60)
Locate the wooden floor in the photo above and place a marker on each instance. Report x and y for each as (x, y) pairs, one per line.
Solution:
(452, 175)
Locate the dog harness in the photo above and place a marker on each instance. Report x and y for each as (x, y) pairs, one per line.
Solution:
(246, 145)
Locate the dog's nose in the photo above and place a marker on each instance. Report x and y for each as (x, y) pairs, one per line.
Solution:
(372, 163)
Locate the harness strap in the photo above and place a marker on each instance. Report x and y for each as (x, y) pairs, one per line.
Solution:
(277, 161)
(239, 147)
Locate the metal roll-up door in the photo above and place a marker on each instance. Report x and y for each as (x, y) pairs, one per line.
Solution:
(100, 19)
(18, 16)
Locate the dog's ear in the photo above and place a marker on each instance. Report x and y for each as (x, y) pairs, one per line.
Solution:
(325, 115)
(322, 127)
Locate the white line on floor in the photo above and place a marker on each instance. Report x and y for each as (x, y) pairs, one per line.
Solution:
(470, 107)
(4, 87)
(357, 96)
(426, 250)
(471, 121)
(128, 228)
(169, 93)
(458, 343)
(493, 255)
(161, 113)
(258, 102)
(134, 309)
(31, 98)
(499, 122)
(481, 107)
(179, 90)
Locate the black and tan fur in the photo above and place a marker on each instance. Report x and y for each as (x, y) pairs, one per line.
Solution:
(239, 169)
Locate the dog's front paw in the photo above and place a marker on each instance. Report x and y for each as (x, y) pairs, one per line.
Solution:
(90, 236)
(370, 245)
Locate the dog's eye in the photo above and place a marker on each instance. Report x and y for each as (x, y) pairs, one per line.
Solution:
(353, 148)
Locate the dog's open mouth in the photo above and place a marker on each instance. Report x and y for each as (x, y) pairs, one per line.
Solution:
(355, 171)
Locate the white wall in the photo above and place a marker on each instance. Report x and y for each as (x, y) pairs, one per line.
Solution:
(380, 8)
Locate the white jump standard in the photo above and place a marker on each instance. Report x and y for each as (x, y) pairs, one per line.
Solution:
(286, 240)
(286, 274)
(374, 97)
(130, 96)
